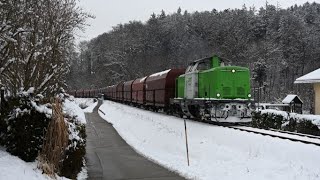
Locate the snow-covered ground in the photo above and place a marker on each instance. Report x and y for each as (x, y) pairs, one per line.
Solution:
(89, 102)
(13, 168)
(215, 152)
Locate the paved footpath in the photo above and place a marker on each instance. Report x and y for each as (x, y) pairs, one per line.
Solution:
(110, 157)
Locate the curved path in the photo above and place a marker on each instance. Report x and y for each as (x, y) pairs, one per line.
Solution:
(110, 157)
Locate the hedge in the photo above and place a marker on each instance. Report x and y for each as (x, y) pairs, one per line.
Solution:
(276, 121)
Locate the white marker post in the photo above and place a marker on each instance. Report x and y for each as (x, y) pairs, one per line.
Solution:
(186, 135)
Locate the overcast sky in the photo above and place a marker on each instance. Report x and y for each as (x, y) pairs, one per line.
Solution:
(110, 13)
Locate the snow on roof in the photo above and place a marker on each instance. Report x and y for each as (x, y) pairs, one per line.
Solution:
(312, 77)
(289, 98)
(142, 79)
(160, 73)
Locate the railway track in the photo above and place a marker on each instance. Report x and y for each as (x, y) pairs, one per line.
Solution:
(292, 136)
(296, 137)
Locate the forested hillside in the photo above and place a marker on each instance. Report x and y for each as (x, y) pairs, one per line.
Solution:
(277, 44)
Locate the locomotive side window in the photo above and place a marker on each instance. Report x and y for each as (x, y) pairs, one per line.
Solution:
(204, 65)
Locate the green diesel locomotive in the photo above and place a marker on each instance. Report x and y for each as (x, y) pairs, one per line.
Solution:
(211, 91)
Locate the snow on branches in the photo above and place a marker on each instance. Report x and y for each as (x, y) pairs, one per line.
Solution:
(36, 38)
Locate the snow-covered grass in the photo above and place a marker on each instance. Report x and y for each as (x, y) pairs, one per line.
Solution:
(13, 168)
(215, 152)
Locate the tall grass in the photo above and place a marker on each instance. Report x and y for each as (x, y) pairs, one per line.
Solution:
(55, 143)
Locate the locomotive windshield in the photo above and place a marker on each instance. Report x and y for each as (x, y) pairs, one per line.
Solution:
(204, 65)
(199, 65)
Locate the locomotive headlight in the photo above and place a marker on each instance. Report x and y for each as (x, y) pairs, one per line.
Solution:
(249, 95)
(233, 71)
(218, 95)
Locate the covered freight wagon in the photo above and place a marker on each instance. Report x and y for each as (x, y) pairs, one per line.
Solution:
(72, 93)
(79, 93)
(138, 90)
(127, 88)
(103, 91)
(86, 93)
(119, 91)
(109, 92)
(160, 87)
(113, 92)
(93, 93)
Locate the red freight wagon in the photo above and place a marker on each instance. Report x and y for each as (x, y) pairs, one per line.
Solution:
(104, 92)
(160, 87)
(114, 92)
(138, 90)
(127, 87)
(72, 93)
(96, 93)
(92, 93)
(86, 93)
(109, 92)
(119, 91)
(80, 93)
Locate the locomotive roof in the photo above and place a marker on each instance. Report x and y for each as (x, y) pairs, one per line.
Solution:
(205, 59)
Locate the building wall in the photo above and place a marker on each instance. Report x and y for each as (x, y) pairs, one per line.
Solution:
(317, 98)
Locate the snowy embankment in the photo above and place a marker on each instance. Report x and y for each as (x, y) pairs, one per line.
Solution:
(87, 103)
(13, 168)
(73, 107)
(215, 152)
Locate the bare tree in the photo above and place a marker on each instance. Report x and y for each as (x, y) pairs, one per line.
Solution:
(37, 41)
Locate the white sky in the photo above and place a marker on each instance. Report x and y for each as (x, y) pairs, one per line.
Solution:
(110, 13)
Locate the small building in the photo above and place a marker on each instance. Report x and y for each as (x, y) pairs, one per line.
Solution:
(313, 78)
(294, 103)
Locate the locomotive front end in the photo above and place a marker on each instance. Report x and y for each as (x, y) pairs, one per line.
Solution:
(232, 90)
(211, 91)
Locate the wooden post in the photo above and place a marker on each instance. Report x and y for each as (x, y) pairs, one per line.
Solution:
(186, 135)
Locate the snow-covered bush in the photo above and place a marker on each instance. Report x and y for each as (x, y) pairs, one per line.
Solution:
(266, 121)
(76, 149)
(25, 121)
(26, 124)
(302, 126)
(283, 122)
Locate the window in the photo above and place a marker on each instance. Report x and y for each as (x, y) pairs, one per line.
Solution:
(204, 65)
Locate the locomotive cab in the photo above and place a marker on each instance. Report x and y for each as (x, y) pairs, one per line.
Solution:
(191, 89)
(212, 91)
(204, 64)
